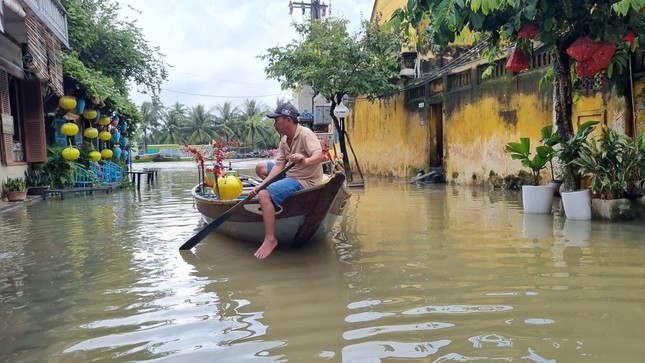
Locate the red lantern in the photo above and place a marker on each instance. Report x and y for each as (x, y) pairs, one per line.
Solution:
(582, 49)
(630, 37)
(529, 31)
(517, 61)
(602, 57)
(586, 69)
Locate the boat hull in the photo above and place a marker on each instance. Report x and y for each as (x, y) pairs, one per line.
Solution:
(303, 216)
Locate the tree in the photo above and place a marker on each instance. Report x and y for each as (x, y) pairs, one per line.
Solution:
(559, 25)
(337, 63)
(107, 53)
(200, 126)
(151, 113)
(173, 123)
(225, 116)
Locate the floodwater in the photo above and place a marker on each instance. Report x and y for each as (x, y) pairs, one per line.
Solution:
(430, 273)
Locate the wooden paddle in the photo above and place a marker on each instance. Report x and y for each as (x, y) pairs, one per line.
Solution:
(193, 241)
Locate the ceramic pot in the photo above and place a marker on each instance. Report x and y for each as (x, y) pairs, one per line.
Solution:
(577, 205)
(16, 196)
(537, 198)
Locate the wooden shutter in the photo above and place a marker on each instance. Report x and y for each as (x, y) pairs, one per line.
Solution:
(33, 121)
(5, 107)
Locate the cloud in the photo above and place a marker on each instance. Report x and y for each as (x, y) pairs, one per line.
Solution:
(212, 45)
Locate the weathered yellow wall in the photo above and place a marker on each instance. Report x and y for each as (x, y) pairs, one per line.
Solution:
(387, 139)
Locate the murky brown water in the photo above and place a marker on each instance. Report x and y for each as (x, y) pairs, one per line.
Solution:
(413, 273)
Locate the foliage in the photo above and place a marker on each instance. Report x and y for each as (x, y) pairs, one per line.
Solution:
(570, 151)
(335, 63)
(103, 41)
(36, 177)
(14, 185)
(57, 168)
(560, 23)
(543, 154)
(613, 162)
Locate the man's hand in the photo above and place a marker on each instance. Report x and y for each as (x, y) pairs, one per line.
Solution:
(298, 159)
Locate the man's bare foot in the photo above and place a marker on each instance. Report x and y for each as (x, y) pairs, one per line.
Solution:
(267, 247)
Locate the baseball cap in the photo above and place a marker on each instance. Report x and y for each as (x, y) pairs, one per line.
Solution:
(285, 109)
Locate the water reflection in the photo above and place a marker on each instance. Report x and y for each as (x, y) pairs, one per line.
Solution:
(412, 273)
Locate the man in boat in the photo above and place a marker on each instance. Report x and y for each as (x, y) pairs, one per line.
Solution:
(300, 146)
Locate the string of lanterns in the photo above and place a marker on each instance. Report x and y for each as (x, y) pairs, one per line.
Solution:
(108, 129)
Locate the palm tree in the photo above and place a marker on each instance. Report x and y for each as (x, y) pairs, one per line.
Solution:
(259, 132)
(173, 124)
(225, 119)
(152, 113)
(200, 128)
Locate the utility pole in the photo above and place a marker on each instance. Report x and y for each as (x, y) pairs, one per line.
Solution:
(317, 9)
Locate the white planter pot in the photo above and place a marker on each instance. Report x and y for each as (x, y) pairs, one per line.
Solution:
(537, 198)
(577, 205)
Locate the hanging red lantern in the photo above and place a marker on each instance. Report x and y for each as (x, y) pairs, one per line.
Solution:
(517, 61)
(529, 31)
(630, 37)
(586, 69)
(602, 57)
(582, 49)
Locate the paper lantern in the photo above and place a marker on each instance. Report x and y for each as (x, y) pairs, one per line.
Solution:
(80, 105)
(71, 153)
(105, 136)
(124, 126)
(67, 102)
(582, 49)
(90, 113)
(116, 136)
(630, 37)
(95, 155)
(104, 120)
(106, 153)
(114, 123)
(230, 187)
(69, 129)
(586, 69)
(602, 57)
(117, 152)
(124, 141)
(529, 31)
(517, 61)
(91, 132)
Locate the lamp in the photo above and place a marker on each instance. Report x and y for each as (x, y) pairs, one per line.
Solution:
(341, 111)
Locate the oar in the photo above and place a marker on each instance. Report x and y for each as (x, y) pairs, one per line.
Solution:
(193, 241)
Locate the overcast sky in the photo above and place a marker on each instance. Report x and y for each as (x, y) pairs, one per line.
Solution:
(212, 45)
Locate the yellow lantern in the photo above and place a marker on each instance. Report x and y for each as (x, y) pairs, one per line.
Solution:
(230, 187)
(104, 120)
(89, 113)
(91, 133)
(69, 129)
(95, 155)
(105, 135)
(71, 153)
(106, 153)
(67, 102)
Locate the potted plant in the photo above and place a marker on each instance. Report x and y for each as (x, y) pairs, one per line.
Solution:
(535, 198)
(613, 163)
(37, 181)
(551, 138)
(576, 202)
(15, 189)
(57, 168)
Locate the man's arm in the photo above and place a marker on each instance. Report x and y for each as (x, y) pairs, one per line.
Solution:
(279, 165)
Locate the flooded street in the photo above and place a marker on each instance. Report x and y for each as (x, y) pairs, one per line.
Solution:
(429, 273)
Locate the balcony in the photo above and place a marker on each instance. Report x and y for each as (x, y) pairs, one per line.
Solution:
(53, 15)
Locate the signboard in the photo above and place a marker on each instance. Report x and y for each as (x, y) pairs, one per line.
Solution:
(7, 124)
(326, 137)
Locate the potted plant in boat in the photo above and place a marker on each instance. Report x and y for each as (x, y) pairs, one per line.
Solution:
(15, 189)
(535, 198)
(575, 201)
(614, 164)
(37, 181)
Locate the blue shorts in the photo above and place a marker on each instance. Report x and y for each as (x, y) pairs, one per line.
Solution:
(282, 188)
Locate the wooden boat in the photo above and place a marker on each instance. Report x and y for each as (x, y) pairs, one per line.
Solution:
(302, 217)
